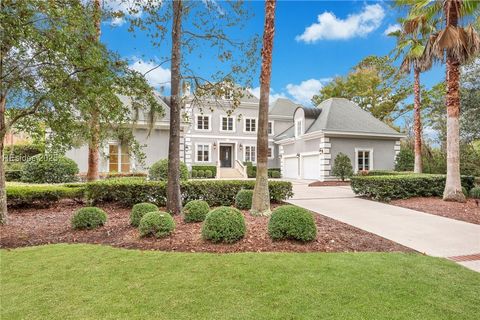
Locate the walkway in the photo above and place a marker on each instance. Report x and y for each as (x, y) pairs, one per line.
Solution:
(426, 233)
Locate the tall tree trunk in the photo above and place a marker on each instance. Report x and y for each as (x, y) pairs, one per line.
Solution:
(261, 196)
(417, 123)
(94, 143)
(3, 188)
(453, 185)
(174, 201)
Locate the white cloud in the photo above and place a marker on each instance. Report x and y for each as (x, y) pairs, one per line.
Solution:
(392, 28)
(160, 77)
(126, 7)
(273, 95)
(303, 92)
(329, 27)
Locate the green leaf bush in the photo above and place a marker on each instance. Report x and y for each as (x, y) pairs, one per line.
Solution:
(201, 174)
(342, 166)
(159, 171)
(194, 173)
(139, 210)
(224, 224)
(243, 200)
(195, 211)
(208, 174)
(275, 174)
(292, 222)
(475, 193)
(215, 192)
(89, 218)
(205, 168)
(43, 168)
(386, 188)
(156, 223)
(42, 195)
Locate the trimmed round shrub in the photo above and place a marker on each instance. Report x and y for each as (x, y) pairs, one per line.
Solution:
(465, 192)
(475, 193)
(224, 224)
(201, 173)
(194, 173)
(44, 168)
(195, 211)
(276, 174)
(159, 171)
(208, 174)
(156, 223)
(243, 200)
(139, 210)
(89, 218)
(292, 222)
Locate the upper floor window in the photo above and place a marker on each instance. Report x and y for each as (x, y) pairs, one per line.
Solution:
(203, 153)
(203, 122)
(227, 124)
(298, 128)
(270, 127)
(250, 125)
(250, 154)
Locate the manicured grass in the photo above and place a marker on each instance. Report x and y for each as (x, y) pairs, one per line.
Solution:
(97, 282)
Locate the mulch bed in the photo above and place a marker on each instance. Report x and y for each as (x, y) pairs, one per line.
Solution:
(468, 211)
(329, 183)
(32, 226)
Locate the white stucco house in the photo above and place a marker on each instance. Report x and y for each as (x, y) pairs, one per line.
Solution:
(302, 141)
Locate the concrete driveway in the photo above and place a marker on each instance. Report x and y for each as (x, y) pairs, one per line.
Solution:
(430, 234)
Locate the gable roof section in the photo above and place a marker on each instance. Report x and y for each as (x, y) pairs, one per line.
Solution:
(283, 107)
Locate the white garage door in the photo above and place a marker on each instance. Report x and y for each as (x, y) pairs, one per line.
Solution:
(290, 168)
(311, 167)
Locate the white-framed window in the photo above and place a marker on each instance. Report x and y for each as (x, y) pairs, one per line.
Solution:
(202, 122)
(363, 159)
(227, 123)
(250, 125)
(270, 127)
(298, 128)
(270, 153)
(118, 158)
(250, 153)
(202, 152)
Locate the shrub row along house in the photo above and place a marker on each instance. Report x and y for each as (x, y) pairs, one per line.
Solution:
(302, 141)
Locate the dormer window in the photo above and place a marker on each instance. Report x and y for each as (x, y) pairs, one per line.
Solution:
(298, 128)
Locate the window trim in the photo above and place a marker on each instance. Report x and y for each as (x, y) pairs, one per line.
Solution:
(302, 125)
(233, 123)
(273, 128)
(209, 152)
(273, 152)
(370, 159)
(119, 157)
(209, 122)
(245, 125)
(245, 153)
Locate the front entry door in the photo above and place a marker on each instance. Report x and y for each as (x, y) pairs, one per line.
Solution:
(226, 156)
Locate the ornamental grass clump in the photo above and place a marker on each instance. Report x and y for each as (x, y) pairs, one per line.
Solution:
(89, 218)
(139, 210)
(195, 211)
(243, 200)
(156, 223)
(224, 224)
(292, 222)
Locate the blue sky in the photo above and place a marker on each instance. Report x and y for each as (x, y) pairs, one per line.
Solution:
(314, 41)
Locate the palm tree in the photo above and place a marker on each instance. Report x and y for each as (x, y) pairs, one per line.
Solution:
(261, 196)
(412, 47)
(456, 45)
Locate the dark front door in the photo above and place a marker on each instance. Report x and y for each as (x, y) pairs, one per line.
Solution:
(226, 156)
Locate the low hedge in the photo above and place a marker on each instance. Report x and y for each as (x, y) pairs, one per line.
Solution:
(387, 187)
(214, 192)
(382, 173)
(13, 175)
(42, 194)
(252, 171)
(204, 168)
(49, 168)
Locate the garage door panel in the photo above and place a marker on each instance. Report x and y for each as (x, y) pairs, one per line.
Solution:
(311, 167)
(291, 168)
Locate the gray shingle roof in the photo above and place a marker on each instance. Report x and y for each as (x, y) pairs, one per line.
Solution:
(342, 115)
(283, 107)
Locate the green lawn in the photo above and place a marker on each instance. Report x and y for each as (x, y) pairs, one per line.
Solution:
(97, 282)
